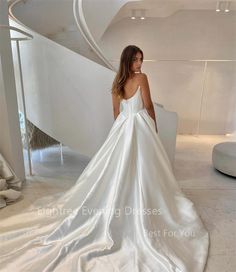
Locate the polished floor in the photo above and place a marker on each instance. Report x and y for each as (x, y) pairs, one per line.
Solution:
(213, 193)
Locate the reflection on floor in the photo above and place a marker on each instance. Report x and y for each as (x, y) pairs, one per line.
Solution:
(212, 192)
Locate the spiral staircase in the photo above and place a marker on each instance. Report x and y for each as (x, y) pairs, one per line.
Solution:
(65, 91)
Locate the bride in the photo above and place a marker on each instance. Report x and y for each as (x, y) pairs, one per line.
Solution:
(126, 211)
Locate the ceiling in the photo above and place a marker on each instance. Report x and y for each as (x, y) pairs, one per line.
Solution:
(50, 17)
(165, 8)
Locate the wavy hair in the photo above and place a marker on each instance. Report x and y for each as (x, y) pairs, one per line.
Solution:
(124, 71)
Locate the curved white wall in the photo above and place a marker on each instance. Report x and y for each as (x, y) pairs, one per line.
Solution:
(55, 20)
(67, 95)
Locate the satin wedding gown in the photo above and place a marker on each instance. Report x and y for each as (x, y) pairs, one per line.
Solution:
(125, 213)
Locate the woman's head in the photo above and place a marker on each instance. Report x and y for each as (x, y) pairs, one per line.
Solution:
(130, 62)
(131, 59)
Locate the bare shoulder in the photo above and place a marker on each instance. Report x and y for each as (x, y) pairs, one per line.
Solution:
(142, 78)
(143, 75)
(145, 90)
(143, 81)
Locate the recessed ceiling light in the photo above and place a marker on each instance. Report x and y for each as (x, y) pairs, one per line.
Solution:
(227, 6)
(142, 14)
(219, 6)
(133, 15)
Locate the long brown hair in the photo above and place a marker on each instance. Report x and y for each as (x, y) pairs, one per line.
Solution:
(124, 72)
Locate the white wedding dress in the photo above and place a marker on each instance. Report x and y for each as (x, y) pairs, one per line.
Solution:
(125, 213)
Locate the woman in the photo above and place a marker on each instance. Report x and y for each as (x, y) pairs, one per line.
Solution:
(126, 211)
(129, 77)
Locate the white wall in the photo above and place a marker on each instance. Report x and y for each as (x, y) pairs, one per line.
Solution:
(67, 95)
(178, 84)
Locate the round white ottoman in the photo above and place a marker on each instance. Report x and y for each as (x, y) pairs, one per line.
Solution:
(224, 158)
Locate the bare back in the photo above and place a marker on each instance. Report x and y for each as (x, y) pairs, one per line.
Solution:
(131, 86)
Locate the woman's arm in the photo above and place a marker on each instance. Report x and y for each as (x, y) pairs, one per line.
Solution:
(147, 100)
(116, 105)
